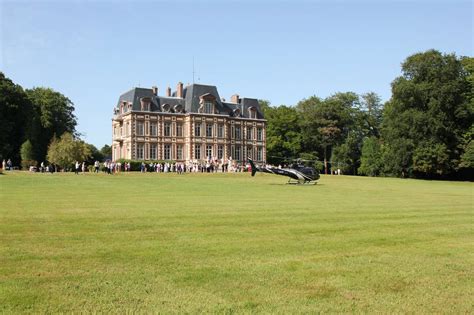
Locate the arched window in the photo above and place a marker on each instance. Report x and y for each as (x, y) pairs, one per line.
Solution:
(252, 112)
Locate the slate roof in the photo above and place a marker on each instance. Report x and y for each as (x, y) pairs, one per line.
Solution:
(190, 100)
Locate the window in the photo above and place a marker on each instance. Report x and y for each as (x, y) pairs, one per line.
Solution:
(167, 151)
(197, 129)
(259, 154)
(249, 152)
(179, 130)
(145, 106)
(252, 113)
(220, 131)
(153, 151)
(259, 134)
(237, 153)
(197, 151)
(208, 151)
(208, 130)
(249, 133)
(140, 151)
(140, 129)
(121, 130)
(179, 152)
(208, 107)
(220, 151)
(167, 130)
(153, 129)
(238, 133)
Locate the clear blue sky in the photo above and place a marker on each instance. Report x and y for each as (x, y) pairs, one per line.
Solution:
(283, 51)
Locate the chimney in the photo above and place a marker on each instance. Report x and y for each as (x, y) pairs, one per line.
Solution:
(179, 90)
(155, 90)
(168, 91)
(235, 98)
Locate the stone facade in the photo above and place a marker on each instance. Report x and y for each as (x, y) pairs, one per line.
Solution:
(192, 124)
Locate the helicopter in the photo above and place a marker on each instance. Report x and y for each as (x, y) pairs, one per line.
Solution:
(298, 173)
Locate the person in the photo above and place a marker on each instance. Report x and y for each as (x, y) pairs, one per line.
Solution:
(76, 168)
(96, 166)
(4, 164)
(42, 167)
(9, 164)
(83, 167)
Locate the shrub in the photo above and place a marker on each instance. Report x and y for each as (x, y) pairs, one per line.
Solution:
(25, 164)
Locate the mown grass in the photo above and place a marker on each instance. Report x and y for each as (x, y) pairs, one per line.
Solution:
(229, 243)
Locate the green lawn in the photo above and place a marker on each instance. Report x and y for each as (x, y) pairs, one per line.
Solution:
(230, 243)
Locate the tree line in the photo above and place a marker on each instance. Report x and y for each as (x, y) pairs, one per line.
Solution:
(38, 125)
(425, 130)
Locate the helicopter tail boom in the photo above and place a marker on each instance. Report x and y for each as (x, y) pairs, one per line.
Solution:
(253, 167)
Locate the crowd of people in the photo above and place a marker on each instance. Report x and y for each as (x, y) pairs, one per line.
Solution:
(112, 167)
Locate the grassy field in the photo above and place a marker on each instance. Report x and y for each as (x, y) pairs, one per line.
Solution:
(230, 243)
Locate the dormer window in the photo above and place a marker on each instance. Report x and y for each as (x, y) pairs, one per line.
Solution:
(209, 107)
(145, 104)
(178, 108)
(123, 107)
(253, 113)
(207, 104)
(166, 107)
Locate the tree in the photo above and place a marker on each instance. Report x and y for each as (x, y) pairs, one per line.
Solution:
(283, 134)
(66, 150)
(264, 106)
(371, 158)
(27, 155)
(427, 116)
(326, 123)
(106, 151)
(95, 154)
(53, 115)
(372, 109)
(347, 155)
(15, 117)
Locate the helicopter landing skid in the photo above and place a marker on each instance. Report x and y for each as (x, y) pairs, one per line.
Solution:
(297, 182)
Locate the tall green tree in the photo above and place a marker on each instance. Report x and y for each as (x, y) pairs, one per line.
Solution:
(54, 115)
(106, 151)
(95, 154)
(27, 155)
(15, 119)
(371, 159)
(66, 150)
(326, 123)
(427, 116)
(283, 134)
(371, 111)
(346, 156)
(264, 105)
